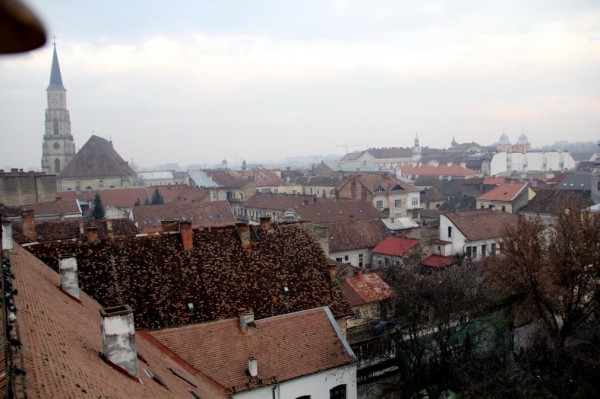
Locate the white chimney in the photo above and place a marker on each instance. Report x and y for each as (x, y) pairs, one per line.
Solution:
(7, 237)
(246, 320)
(118, 338)
(253, 366)
(69, 281)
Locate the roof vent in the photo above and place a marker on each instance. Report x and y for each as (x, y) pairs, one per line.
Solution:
(69, 280)
(246, 320)
(7, 236)
(253, 366)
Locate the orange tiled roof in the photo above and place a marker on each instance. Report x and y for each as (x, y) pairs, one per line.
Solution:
(286, 347)
(54, 208)
(481, 224)
(158, 278)
(61, 343)
(505, 192)
(366, 288)
(437, 261)
(395, 246)
(206, 214)
(441, 170)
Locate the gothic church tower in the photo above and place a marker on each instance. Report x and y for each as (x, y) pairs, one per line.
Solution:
(58, 147)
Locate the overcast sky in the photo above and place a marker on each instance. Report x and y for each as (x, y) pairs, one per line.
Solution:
(199, 81)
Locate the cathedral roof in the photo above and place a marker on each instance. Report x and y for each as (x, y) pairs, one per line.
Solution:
(97, 158)
(55, 76)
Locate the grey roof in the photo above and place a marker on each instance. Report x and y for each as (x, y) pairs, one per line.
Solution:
(55, 76)
(400, 223)
(577, 181)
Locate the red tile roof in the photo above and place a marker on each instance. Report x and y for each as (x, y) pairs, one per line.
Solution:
(352, 156)
(494, 181)
(441, 170)
(96, 158)
(233, 178)
(359, 234)
(373, 181)
(286, 347)
(437, 261)
(54, 208)
(481, 224)
(61, 342)
(505, 192)
(206, 214)
(158, 278)
(394, 246)
(366, 288)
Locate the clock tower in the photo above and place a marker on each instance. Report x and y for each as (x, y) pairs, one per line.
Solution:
(58, 147)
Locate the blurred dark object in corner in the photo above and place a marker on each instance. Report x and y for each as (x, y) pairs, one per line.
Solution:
(20, 29)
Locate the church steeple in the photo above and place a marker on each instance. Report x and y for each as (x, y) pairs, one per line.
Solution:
(55, 76)
(58, 147)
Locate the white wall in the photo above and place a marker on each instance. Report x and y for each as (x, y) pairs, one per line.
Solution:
(316, 385)
(353, 256)
(458, 239)
(531, 161)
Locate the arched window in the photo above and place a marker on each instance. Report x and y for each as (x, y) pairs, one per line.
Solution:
(338, 392)
(55, 123)
(56, 165)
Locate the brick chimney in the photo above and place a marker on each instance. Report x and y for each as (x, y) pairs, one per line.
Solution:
(118, 339)
(187, 235)
(265, 223)
(332, 269)
(7, 236)
(69, 281)
(244, 233)
(246, 320)
(169, 225)
(28, 224)
(91, 234)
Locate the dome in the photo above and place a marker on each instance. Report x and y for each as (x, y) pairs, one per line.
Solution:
(504, 139)
(523, 139)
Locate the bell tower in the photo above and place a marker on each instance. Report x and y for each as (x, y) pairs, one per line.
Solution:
(58, 147)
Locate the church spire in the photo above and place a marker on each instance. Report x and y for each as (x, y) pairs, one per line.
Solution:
(55, 76)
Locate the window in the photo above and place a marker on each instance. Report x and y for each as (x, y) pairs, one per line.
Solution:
(469, 252)
(56, 165)
(475, 252)
(338, 392)
(303, 397)
(415, 202)
(398, 203)
(379, 205)
(449, 231)
(483, 251)
(55, 126)
(494, 248)
(360, 260)
(598, 186)
(503, 208)
(346, 258)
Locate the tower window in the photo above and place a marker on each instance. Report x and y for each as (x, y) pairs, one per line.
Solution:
(56, 146)
(56, 165)
(55, 123)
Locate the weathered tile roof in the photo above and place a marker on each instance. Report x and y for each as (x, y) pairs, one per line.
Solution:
(205, 214)
(286, 347)
(366, 288)
(352, 156)
(54, 208)
(235, 178)
(158, 278)
(127, 197)
(96, 158)
(382, 180)
(437, 261)
(54, 230)
(505, 192)
(432, 194)
(358, 234)
(61, 343)
(481, 224)
(280, 202)
(391, 152)
(441, 170)
(395, 246)
(320, 180)
(551, 202)
(329, 210)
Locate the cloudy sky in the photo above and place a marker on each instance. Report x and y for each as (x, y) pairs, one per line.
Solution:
(199, 81)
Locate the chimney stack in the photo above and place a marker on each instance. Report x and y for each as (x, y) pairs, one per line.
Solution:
(187, 235)
(69, 281)
(109, 228)
(7, 237)
(244, 233)
(253, 366)
(118, 338)
(81, 228)
(265, 223)
(169, 225)
(91, 234)
(332, 272)
(28, 224)
(246, 320)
